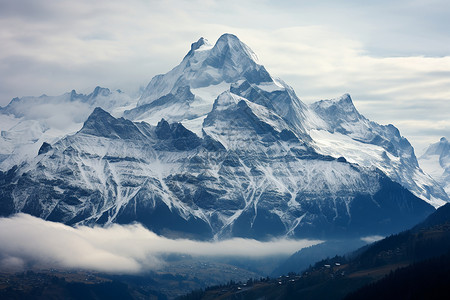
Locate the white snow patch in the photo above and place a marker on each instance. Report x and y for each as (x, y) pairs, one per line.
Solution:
(337, 145)
(271, 86)
(195, 125)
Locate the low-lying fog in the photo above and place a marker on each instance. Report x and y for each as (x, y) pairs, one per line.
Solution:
(27, 242)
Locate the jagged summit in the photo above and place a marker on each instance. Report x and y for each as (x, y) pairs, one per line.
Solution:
(98, 113)
(99, 91)
(343, 103)
(441, 148)
(338, 112)
(100, 123)
(228, 61)
(21, 106)
(226, 42)
(201, 44)
(231, 43)
(204, 73)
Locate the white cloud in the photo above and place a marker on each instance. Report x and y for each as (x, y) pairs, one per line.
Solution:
(372, 238)
(30, 241)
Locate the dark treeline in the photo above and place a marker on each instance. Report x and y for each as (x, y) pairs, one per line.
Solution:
(41, 286)
(230, 286)
(428, 279)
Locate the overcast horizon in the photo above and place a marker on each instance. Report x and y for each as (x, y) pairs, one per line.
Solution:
(392, 57)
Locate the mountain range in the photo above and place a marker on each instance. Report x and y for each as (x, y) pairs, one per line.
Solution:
(214, 148)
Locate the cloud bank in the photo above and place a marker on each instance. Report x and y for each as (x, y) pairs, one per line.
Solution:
(27, 242)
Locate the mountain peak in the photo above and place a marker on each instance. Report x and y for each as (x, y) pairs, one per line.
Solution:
(98, 112)
(346, 98)
(441, 148)
(228, 38)
(202, 41)
(99, 91)
(75, 96)
(230, 44)
(101, 123)
(343, 104)
(228, 61)
(436, 162)
(177, 136)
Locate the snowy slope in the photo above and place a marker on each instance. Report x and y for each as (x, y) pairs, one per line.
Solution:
(436, 162)
(345, 132)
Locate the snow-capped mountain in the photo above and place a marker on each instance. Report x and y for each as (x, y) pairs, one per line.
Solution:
(347, 133)
(186, 94)
(335, 127)
(218, 147)
(28, 122)
(436, 162)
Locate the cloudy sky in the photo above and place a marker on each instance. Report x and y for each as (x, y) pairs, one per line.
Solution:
(393, 57)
